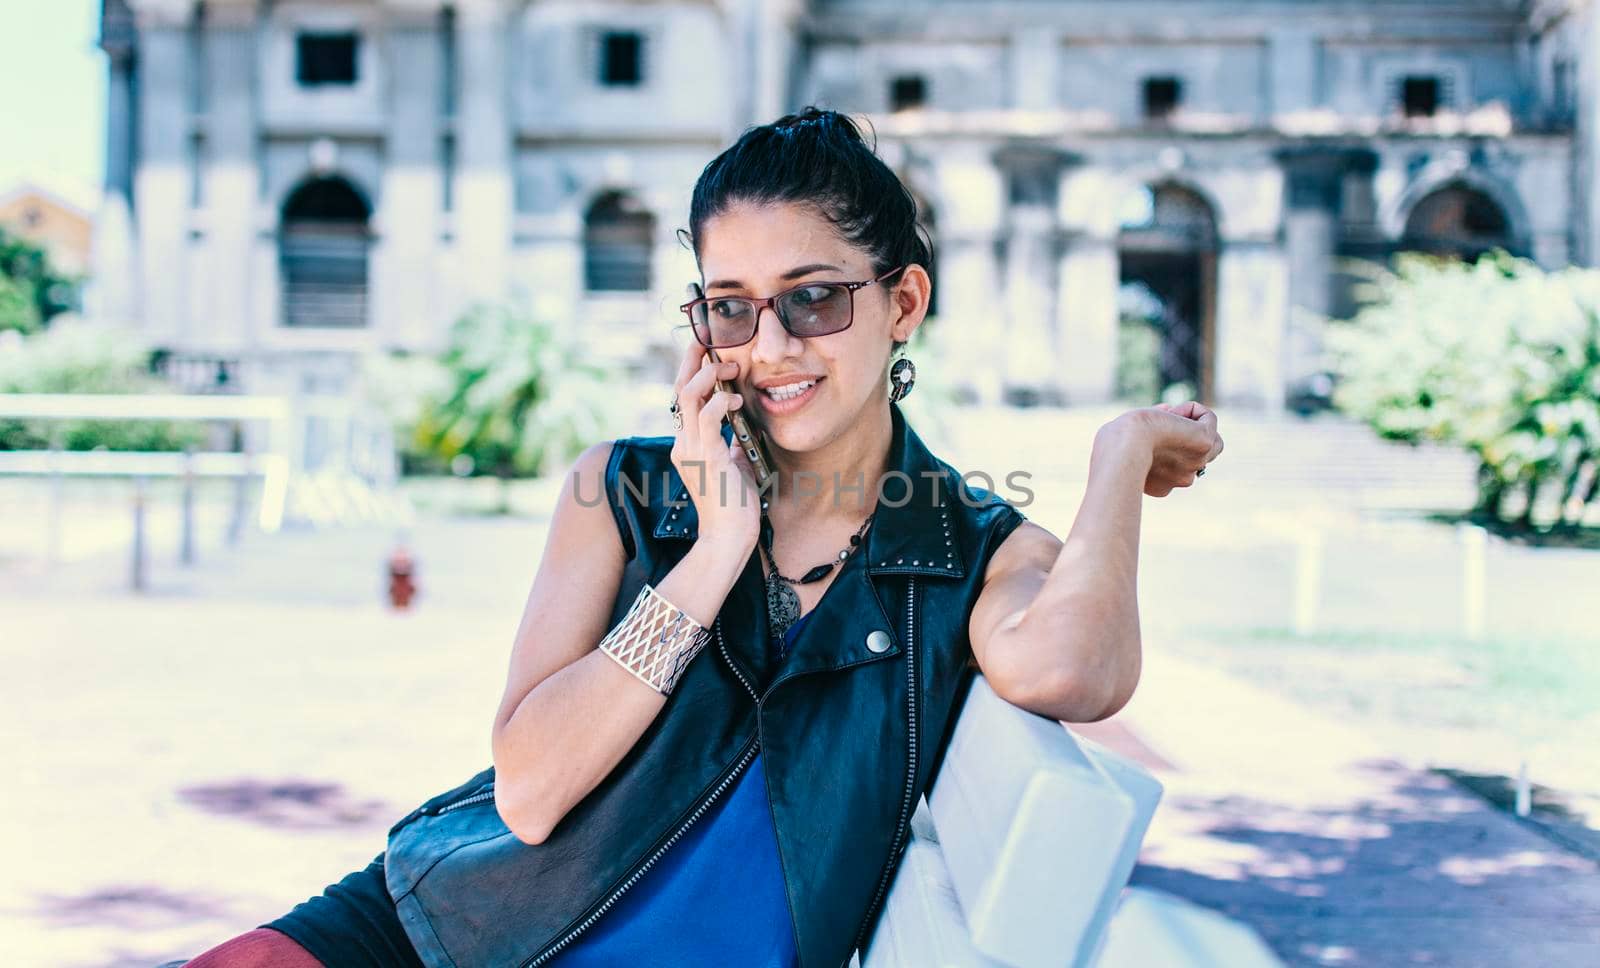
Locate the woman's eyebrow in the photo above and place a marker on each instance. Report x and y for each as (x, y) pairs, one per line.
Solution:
(791, 274)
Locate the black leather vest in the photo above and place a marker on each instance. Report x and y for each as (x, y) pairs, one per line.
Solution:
(852, 725)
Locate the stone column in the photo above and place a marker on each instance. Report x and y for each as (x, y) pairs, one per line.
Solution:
(972, 305)
(406, 306)
(1252, 291)
(1087, 310)
(484, 200)
(161, 187)
(1089, 274)
(773, 29)
(1030, 352)
(113, 294)
(230, 175)
(1313, 181)
(1032, 358)
(1586, 140)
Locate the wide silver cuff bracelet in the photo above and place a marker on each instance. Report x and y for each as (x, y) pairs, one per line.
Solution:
(655, 640)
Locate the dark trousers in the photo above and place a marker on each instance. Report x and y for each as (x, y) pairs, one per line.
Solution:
(351, 924)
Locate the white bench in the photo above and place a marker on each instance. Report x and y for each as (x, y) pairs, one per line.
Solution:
(1020, 856)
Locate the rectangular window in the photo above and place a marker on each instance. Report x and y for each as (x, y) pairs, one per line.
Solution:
(621, 61)
(1419, 96)
(907, 91)
(1161, 97)
(325, 59)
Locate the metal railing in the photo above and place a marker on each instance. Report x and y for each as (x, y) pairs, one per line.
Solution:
(321, 462)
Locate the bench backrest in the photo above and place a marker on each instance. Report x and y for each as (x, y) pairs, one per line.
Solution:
(1020, 852)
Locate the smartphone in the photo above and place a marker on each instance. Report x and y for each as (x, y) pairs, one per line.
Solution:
(751, 441)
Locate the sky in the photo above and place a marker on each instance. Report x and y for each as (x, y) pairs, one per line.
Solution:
(52, 128)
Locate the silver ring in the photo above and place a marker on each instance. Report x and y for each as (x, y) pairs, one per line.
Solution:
(1200, 473)
(677, 414)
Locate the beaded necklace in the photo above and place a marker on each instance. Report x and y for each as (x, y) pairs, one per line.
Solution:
(783, 605)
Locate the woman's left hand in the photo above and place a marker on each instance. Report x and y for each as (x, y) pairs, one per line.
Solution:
(1182, 438)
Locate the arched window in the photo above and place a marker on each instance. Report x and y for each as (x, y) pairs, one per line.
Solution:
(1456, 221)
(1168, 217)
(322, 255)
(617, 240)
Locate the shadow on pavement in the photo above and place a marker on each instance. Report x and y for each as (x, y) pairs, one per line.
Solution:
(1417, 873)
(289, 804)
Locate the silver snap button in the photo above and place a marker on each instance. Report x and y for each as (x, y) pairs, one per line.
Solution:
(878, 641)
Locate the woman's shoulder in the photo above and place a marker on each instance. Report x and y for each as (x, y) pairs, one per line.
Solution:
(987, 510)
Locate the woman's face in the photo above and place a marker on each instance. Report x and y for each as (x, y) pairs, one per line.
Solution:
(756, 251)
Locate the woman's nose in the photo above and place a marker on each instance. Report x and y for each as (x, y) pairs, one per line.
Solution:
(771, 339)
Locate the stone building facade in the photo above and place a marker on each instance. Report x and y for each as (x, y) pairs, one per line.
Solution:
(291, 183)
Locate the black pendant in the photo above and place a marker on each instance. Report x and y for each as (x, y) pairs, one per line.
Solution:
(783, 606)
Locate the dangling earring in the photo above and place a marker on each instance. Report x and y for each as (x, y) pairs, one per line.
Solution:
(901, 376)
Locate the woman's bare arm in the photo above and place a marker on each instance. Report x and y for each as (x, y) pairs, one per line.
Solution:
(570, 712)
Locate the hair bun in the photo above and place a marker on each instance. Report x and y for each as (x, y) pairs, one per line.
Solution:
(821, 119)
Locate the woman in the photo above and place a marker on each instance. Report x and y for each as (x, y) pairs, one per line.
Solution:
(649, 804)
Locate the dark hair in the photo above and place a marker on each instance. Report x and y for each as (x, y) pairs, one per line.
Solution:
(817, 158)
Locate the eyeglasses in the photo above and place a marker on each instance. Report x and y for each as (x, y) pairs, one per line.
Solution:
(814, 309)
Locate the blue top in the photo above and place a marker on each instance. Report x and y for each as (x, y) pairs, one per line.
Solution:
(716, 897)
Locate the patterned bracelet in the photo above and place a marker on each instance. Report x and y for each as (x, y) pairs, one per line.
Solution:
(655, 640)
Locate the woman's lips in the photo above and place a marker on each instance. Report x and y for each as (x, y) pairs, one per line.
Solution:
(780, 408)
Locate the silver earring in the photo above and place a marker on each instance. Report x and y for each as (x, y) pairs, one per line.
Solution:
(901, 376)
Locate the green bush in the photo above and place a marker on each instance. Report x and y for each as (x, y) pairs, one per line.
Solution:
(516, 399)
(73, 356)
(1496, 356)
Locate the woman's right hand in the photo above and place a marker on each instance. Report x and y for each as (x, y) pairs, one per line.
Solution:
(718, 476)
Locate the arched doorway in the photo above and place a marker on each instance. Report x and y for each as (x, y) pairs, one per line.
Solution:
(1457, 221)
(618, 237)
(323, 242)
(1167, 254)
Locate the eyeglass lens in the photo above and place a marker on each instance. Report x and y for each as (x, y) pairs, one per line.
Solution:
(808, 311)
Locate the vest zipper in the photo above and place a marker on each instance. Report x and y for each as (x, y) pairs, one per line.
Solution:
(464, 802)
(906, 801)
(739, 767)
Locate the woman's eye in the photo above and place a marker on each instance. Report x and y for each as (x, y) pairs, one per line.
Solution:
(729, 308)
(811, 295)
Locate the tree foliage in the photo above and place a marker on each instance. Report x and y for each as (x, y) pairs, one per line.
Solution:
(517, 399)
(1496, 356)
(32, 292)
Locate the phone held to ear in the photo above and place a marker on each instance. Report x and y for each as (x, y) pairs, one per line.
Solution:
(749, 440)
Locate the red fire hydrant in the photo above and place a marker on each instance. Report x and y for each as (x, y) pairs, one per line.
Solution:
(401, 585)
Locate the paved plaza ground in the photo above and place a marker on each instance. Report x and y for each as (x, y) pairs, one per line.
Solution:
(192, 761)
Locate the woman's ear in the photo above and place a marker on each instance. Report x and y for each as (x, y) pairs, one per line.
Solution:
(911, 300)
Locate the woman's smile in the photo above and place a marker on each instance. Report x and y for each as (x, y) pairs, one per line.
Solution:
(788, 398)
